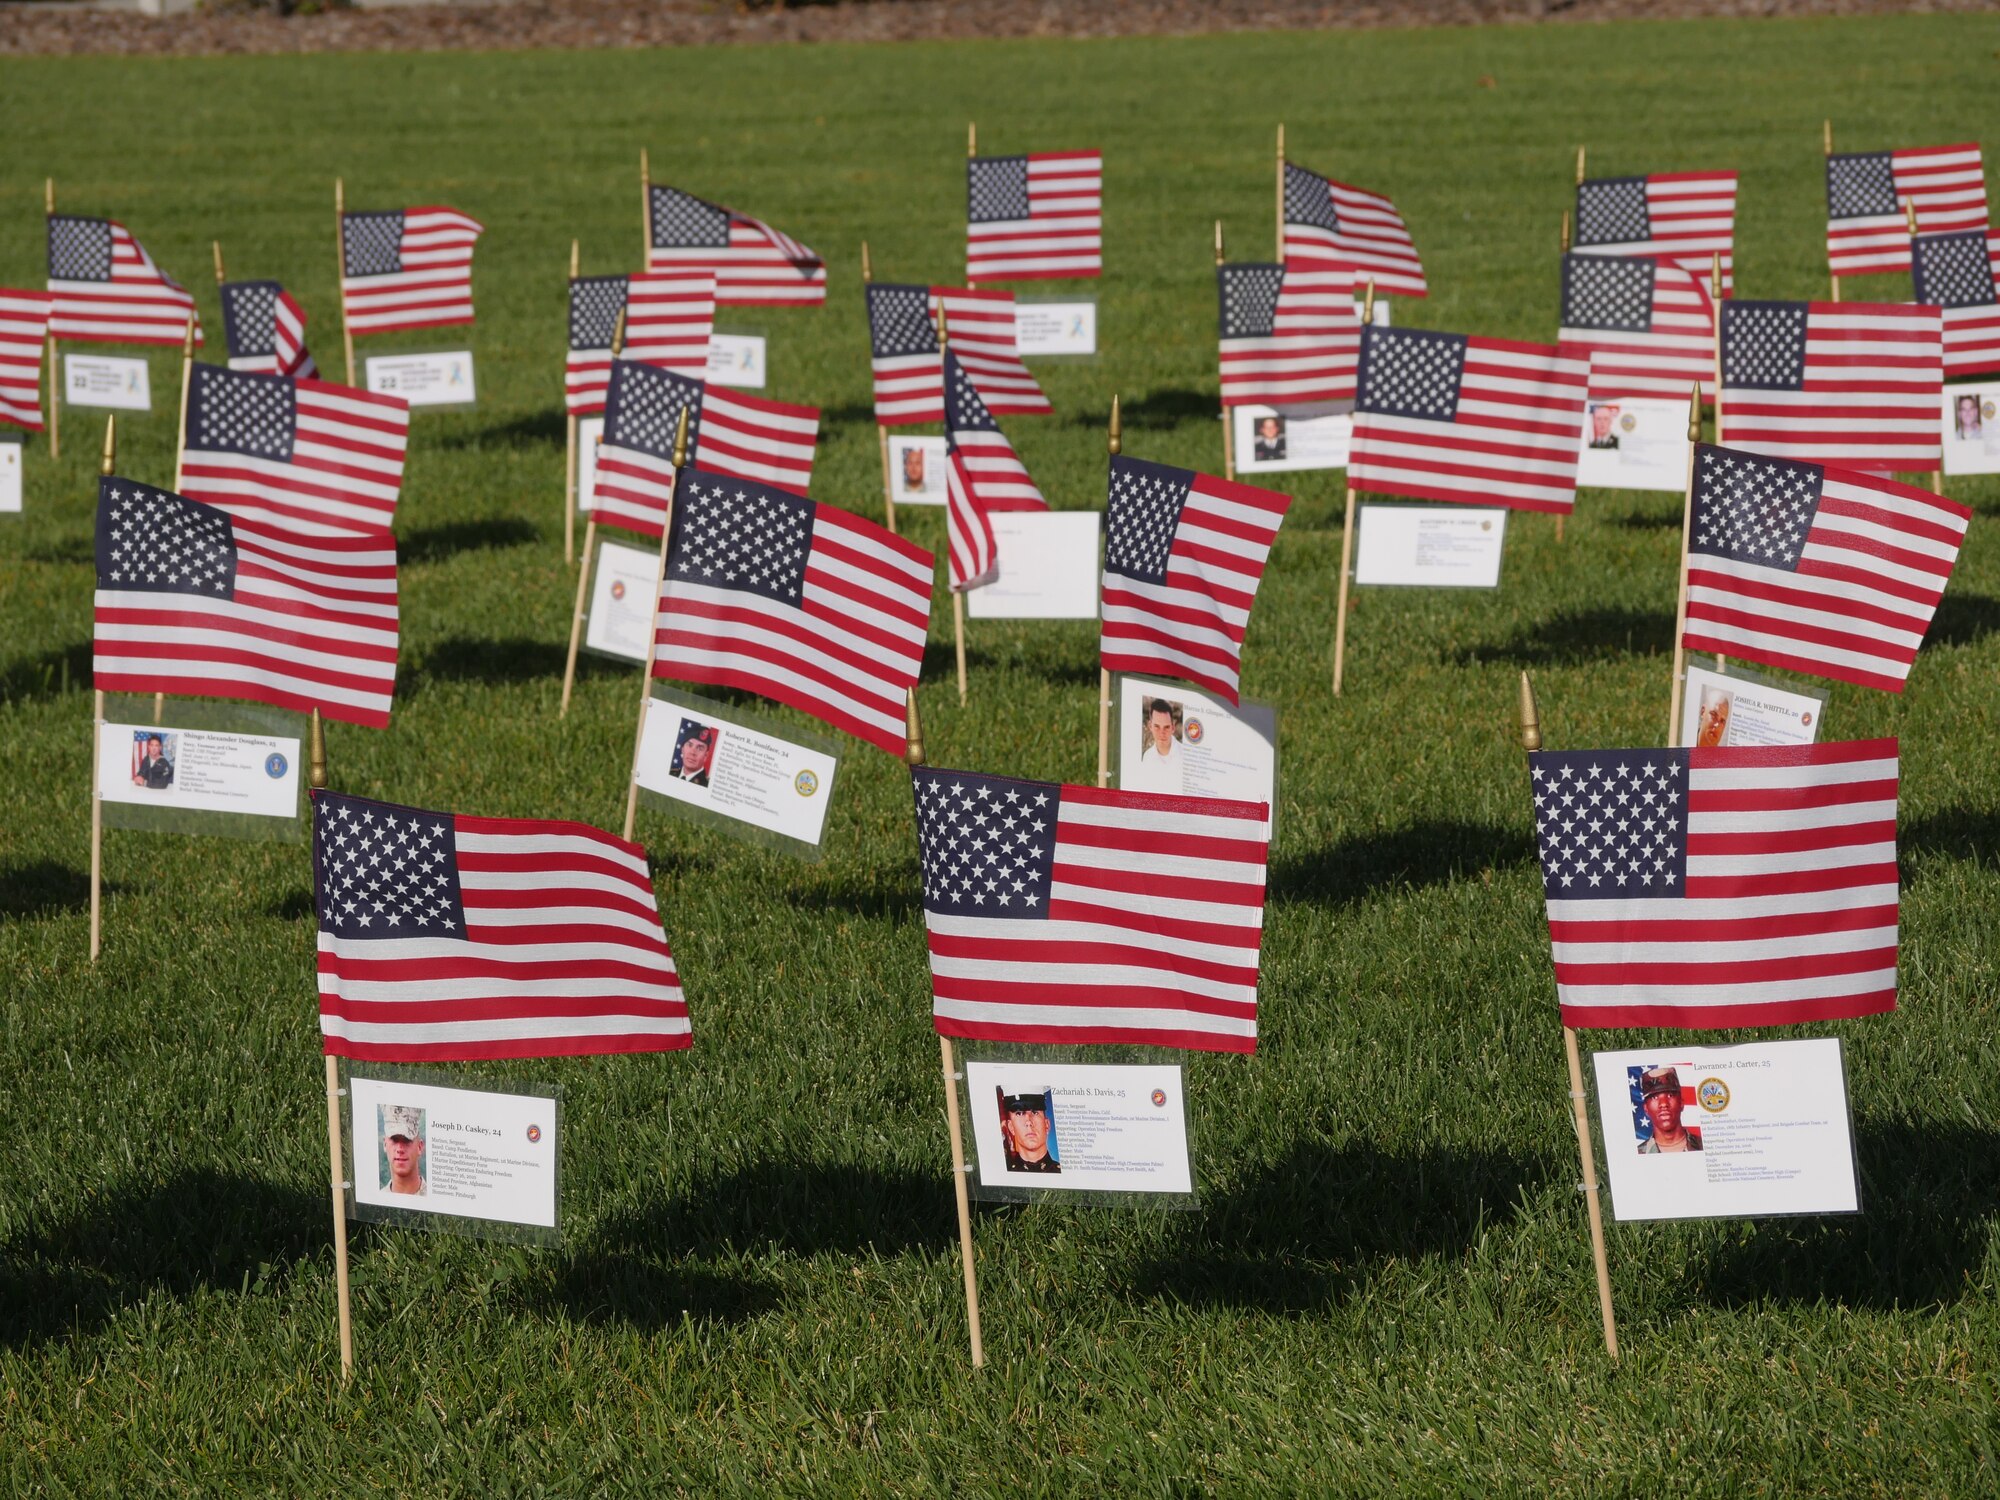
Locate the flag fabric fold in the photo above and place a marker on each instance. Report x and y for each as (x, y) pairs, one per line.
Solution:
(265, 330)
(1751, 886)
(194, 603)
(1288, 335)
(1061, 914)
(107, 289)
(1867, 229)
(306, 456)
(668, 322)
(984, 475)
(1034, 217)
(1183, 555)
(907, 367)
(753, 264)
(1331, 221)
(446, 937)
(1959, 274)
(1646, 326)
(411, 268)
(24, 333)
(1821, 570)
(1687, 217)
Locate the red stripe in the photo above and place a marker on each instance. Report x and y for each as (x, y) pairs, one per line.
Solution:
(1709, 1017)
(554, 1046)
(1049, 1032)
(1696, 971)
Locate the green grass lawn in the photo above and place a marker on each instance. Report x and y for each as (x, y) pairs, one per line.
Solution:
(1387, 1284)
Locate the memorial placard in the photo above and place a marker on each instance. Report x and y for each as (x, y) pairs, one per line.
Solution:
(1727, 1132)
(1634, 443)
(1048, 567)
(738, 359)
(434, 378)
(437, 1150)
(1277, 439)
(1078, 1128)
(622, 604)
(1971, 435)
(1179, 742)
(698, 758)
(107, 381)
(1429, 546)
(916, 470)
(1742, 708)
(1068, 326)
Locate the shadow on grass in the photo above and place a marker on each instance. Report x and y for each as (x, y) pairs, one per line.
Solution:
(42, 888)
(550, 425)
(1306, 1230)
(834, 416)
(1575, 637)
(1156, 411)
(1968, 833)
(73, 549)
(940, 670)
(1429, 853)
(514, 659)
(1963, 618)
(437, 543)
(891, 895)
(199, 1229)
(1930, 1195)
(47, 675)
(641, 1291)
(293, 906)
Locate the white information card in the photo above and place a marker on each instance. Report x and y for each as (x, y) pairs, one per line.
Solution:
(1048, 567)
(1634, 443)
(437, 1149)
(1727, 1132)
(108, 381)
(589, 433)
(442, 378)
(1066, 327)
(203, 770)
(688, 755)
(1274, 439)
(1718, 709)
(622, 606)
(10, 477)
(1972, 427)
(1432, 546)
(1106, 1127)
(1181, 743)
(737, 359)
(916, 470)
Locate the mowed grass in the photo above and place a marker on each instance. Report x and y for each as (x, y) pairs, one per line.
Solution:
(1387, 1284)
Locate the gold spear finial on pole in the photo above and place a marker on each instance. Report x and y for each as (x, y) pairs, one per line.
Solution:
(1219, 257)
(618, 335)
(1565, 232)
(1579, 166)
(1531, 719)
(867, 266)
(1826, 136)
(110, 460)
(1715, 275)
(1368, 304)
(1116, 441)
(971, 138)
(220, 276)
(681, 440)
(1910, 215)
(1694, 413)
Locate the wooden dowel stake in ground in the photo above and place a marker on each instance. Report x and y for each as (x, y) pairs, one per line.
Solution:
(1681, 607)
(1347, 537)
(589, 551)
(653, 621)
(1114, 444)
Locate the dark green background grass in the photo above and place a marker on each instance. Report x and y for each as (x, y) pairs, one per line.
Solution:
(1387, 1285)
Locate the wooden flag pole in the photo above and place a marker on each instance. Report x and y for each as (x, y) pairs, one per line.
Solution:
(1281, 193)
(881, 432)
(1579, 166)
(971, 154)
(1910, 217)
(1116, 445)
(1531, 741)
(1826, 147)
(653, 630)
(569, 450)
(589, 549)
(108, 463)
(340, 268)
(913, 756)
(1681, 608)
(645, 209)
(180, 453)
(337, 1176)
(957, 596)
(1347, 537)
(1564, 244)
(55, 377)
(220, 277)
(1715, 301)
(1228, 427)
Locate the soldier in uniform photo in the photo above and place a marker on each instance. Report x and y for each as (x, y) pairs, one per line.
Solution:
(1028, 1133)
(154, 771)
(1660, 1097)
(403, 1147)
(915, 481)
(1967, 418)
(695, 753)
(1603, 417)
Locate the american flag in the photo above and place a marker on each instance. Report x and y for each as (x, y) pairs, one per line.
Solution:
(1443, 416)
(743, 437)
(1960, 275)
(772, 593)
(1028, 218)
(985, 476)
(1328, 220)
(410, 269)
(1821, 570)
(1646, 326)
(1751, 886)
(303, 455)
(24, 330)
(1183, 555)
(972, 551)
(909, 378)
(444, 937)
(1688, 217)
(1866, 229)
(1853, 383)
(1289, 334)
(107, 290)
(668, 321)
(195, 604)
(265, 330)
(1064, 914)
(754, 265)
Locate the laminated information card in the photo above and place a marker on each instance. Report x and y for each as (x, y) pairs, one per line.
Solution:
(1077, 1127)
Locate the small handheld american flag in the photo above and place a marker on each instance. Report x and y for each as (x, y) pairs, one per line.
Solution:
(754, 265)
(1729, 887)
(265, 330)
(1289, 334)
(107, 290)
(1063, 914)
(668, 322)
(24, 330)
(985, 476)
(443, 936)
(195, 604)
(1959, 274)
(1866, 191)
(909, 378)
(407, 269)
(1822, 570)
(1034, 217)
(1646, 326)
(1183, 555)
(1687, 217)
(305, 456)
(1330, 221)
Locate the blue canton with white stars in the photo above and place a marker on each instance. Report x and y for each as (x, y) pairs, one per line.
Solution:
(964, 410)
(159, 542)
(1953, 270)
(643, 406)
(899, 320)
(1612, 211)
(681, 221)
(1308, 200)
(1611, 824)
(594, 305)
(1861, 184)
(987, 844)
(1249, 299)
(250, 318)
(371, 244)
(1754, 509)
(1764, 345)
(385, 871)
(1143, 514)
(736, 534)
(1608, 291)
(235, 412)
(996, 189)
(79, 249)
(1405, 372)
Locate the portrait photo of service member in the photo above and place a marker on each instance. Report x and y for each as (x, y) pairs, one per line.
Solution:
(1603, 417)
(1028, 1129)
(1660, 1130)
(152, 766)
(694, 752)
(403, 1168)
(1965, 418)
(915, 480)
(1270, 444)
